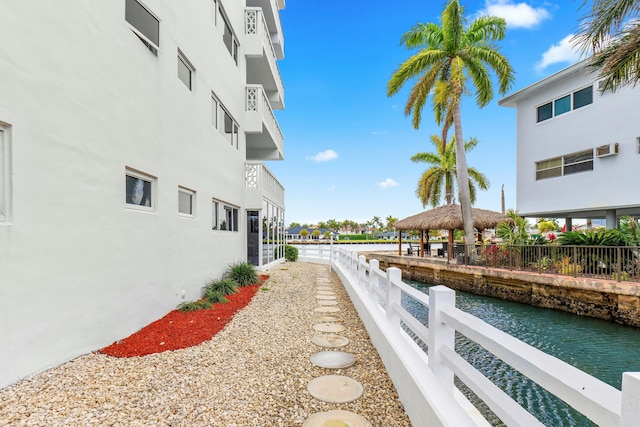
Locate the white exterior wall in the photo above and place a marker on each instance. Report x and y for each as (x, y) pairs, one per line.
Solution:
(612, 118)
(83, 99)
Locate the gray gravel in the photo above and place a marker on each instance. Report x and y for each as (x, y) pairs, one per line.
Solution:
(253, 373)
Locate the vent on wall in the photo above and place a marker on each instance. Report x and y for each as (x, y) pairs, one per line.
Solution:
(607, 150)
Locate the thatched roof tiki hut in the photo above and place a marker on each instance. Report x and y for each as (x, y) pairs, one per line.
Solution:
(447, 217)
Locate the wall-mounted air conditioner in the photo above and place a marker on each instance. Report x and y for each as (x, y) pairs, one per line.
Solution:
(607, 150)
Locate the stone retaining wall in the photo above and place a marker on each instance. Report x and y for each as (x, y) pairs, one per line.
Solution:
(604, 299)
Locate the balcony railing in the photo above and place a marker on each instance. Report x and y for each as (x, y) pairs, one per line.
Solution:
(259, 177)
(257, 101)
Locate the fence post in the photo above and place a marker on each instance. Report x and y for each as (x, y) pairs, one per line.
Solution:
(354, 264)
(374, 265)
(330, 254)
(440, 334)
(630, 411)
(394, 296)
(362, 271)
(619, 263)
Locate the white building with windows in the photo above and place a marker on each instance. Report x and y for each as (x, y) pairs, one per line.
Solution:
(132, 141)
(578, 150)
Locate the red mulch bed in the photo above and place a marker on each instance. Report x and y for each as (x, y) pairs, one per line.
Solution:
(181, 330)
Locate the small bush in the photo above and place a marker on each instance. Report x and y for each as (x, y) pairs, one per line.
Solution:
(194, 306)
(216, 296)
(242, 273)
(224, 286)
(290, 253)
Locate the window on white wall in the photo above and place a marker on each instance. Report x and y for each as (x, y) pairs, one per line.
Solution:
(214, 111)
(144, 24)
(229, 38)
(5, 167)
(225, 216)
(224, 122)
(565, 165)
(186, 201)
(564, 104)
(185, 70)
(230, 130)
(140, 190)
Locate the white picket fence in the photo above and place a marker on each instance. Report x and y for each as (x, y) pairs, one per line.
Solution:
(376, 294)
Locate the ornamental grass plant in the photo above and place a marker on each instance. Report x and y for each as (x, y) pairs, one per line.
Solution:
(242, 273)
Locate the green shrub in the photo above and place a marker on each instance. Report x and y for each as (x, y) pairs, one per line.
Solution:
(290, 253)
(194, 306)
(216, 296)
(224, 286)
(242, 273)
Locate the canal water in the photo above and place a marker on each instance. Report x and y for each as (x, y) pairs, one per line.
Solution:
(602, 349)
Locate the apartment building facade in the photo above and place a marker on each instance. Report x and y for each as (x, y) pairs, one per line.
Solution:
(133, 135)
(578, 149)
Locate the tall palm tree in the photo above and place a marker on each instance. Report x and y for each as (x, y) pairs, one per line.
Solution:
(453, 54)
(440, 178)
(611, 30)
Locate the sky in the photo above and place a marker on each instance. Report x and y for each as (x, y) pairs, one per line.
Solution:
(348, 146)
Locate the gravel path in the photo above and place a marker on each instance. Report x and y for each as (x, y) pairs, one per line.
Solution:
(253, 373)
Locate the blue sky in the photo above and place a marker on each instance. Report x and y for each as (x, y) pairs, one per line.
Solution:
(348, 146)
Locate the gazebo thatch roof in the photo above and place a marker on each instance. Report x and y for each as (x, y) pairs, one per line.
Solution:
(449, 217)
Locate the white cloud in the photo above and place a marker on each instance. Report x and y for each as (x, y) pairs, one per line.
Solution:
(387, 183)
(517, 15)
(558, 53)
(324, 156)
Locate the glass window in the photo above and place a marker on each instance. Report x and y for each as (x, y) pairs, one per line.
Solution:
(230, 130)
(562, 105)
(214, 111)
(229, 38)
(147, 26)
(578, 162)
(139, 190)
(215, 206)
(185, 70)
(185, 201)
(549, 168)
(545, 112)
(583, 97)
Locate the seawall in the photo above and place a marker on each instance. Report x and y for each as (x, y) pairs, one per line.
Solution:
(603, 299)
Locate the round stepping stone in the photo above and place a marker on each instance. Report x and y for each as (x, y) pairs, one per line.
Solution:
(333, 359)
(325, 309)
(326, 318)
(323, 302)
(330, 341)
(328, 327)
(335, 389)
(325, 293)
(326, 297)
(336, 418)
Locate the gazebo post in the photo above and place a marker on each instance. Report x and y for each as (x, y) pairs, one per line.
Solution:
(424, 248)
(399, 242)
(450, 248)
(422, 242)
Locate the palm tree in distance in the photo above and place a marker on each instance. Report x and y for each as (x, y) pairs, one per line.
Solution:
(440, 179)
(453, 54)
(611, 30)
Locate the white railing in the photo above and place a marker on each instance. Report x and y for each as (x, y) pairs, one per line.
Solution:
(259, 177)
(256, 100)
(256, 25)
(603, 404)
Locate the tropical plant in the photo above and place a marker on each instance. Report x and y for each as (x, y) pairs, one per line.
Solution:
(630, 230)
(611, 32)
(242, 272)
(450, 55)
(326, 234)
(546, 226)
(194, 306)
(513, 232)
(224, 286)
(598, 237)
(440, 178)
(391, 222)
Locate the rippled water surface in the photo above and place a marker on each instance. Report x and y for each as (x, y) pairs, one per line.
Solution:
(602, 349)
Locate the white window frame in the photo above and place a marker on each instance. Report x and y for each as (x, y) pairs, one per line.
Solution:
(182, 59)
(192, 201)
(553, 104)
(152, 46)
(219, 113)
(235, 44)
(220, 215)
(215, 111)
(5, 172)
(134, 173)
(215, 13)
(235, 129)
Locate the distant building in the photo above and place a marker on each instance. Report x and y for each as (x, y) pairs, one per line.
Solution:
(578, 151)
(132, 140)
(295, 233)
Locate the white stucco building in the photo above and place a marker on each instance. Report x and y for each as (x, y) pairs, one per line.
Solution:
(132, 141)
(578, 150)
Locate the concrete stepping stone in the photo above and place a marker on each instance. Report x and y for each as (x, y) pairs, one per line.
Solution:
(335, 389)
(324, 288)
(330, 341)
(327, 318)
(328, 327)
(326, 297)
(325, 302)
(333, 359)
(325, 309)
(326, 293)
(336, 418)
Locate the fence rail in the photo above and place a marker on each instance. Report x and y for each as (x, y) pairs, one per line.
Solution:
(601, 403)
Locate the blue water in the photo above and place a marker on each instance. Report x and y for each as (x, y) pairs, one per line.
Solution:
(600, 348)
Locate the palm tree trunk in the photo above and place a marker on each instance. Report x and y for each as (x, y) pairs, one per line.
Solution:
(463, 179)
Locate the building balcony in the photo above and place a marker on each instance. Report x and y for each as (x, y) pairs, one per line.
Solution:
(264, 137)
(261, 184)
(271, 12)
(262, 66)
